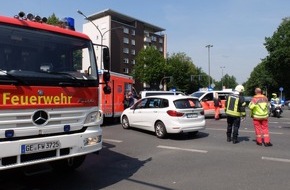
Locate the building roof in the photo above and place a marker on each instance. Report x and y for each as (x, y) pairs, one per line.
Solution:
(124, 18)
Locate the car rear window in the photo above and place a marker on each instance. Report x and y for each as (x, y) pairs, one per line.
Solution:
(187, 103)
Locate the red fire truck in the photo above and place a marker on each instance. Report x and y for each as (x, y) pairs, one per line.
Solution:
(112, 104)
(49, 102)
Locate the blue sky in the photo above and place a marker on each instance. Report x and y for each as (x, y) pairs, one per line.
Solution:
(236, 28)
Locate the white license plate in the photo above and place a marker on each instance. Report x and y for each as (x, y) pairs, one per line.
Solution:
(39, 147)
(191, 115)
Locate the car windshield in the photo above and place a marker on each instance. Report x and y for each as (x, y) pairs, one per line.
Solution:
(44, 58)
(187, 103)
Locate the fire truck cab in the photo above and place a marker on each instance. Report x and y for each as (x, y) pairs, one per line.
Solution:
(49, 102)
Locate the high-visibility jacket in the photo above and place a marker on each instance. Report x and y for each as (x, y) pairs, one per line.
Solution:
(259, 107)
(235, 106)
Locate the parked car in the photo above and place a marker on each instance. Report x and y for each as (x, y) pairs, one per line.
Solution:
(206, 98)
(165, 114)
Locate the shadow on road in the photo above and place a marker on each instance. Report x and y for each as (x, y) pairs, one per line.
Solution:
(97, 172)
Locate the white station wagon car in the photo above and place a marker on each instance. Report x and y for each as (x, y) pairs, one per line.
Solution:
(165, 114)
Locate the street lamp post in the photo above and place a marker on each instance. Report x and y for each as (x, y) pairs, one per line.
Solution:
(222, 68)
(101, 34)
(208, 47)
(102, 39)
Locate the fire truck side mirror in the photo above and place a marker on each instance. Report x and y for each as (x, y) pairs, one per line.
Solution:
(107, 89)
(106, 76)
(106, 58)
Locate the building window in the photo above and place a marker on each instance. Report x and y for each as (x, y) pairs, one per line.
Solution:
(133, 32)
(133, 61)
(161, 40)
(133, 42)
(133, 52)
(126, 30)
(126, 60)
(126, 40)
(126, 70)
(161, 49)
(153, 38)
(126, 50)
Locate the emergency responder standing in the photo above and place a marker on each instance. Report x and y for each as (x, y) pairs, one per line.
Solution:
(217, 105)
(235, 110)
(259, 113)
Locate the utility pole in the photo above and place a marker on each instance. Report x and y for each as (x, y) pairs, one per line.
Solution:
(208, 47)
(222, 67)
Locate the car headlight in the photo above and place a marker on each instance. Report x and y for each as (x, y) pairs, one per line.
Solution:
(94, 117)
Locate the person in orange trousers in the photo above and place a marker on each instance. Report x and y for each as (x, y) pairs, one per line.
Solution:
(259, 107)
(217, 104)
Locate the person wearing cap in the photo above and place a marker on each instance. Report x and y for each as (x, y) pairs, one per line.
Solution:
(235, 109)
(260, 113)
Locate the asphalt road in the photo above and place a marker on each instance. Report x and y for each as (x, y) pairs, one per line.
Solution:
(135, 159)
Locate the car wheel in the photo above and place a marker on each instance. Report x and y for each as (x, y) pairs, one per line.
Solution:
(160, 130)
(125, 122)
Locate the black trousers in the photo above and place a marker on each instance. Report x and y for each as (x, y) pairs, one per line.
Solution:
(233, 122)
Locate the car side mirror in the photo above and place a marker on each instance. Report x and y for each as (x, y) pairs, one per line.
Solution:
(106, 58)
(106, 76)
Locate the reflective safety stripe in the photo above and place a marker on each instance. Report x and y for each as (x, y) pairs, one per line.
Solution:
(259, 107)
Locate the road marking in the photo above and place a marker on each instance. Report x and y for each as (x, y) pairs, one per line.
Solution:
(275, 133)
(112, 140)
(276, 159)
(184, 149)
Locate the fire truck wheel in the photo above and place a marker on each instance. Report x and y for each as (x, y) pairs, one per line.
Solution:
(68, 164)
(125, 122)
(160, 130)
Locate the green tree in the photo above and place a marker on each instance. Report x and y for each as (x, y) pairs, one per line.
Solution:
(53, 20)
(260, 77)
(200, 80)
(278, 60)
(229, 82)
(181, 68)
(150, 67)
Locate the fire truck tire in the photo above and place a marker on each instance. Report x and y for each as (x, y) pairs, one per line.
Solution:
(125, 122)
(160, 130)
(68, 164)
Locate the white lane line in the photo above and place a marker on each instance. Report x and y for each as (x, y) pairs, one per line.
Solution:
(184, 149)
(243, 131)
(276, 159)
(112, 140)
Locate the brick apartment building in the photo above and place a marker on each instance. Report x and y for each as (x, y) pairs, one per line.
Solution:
(125, 36)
